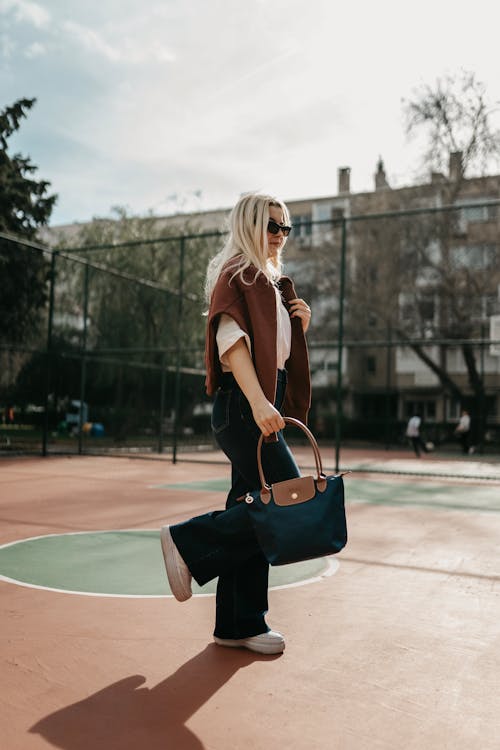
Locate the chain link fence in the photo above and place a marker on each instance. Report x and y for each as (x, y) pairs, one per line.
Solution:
(404, 308)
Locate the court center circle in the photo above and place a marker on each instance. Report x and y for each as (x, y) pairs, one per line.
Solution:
(124, 563)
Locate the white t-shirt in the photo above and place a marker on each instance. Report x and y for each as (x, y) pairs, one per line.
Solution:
(413, 428)
(464, 424)
(228, 333)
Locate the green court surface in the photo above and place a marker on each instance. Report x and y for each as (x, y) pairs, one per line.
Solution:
(431, 494)
(114, 563)
(130, 563)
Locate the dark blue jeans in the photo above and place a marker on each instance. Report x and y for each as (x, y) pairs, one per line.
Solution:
(223, 543)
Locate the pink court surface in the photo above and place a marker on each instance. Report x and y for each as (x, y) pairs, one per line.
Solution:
(392, 645)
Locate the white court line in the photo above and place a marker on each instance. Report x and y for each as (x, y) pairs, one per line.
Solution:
(332, 565)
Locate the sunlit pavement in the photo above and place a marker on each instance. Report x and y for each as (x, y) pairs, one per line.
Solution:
(398, 649)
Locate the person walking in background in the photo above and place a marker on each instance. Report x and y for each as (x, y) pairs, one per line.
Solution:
(413, 433)
(463, 431)
(257, 365)
(9, 415)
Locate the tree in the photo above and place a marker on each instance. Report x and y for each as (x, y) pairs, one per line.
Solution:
(449, 264)
(456, 114)
(126, 313)
(25, 206)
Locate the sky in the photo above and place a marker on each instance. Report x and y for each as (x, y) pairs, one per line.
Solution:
(182, 105)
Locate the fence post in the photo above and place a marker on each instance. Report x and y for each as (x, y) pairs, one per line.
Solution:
(482, 404)
(388, 385)
(340, 343)
(83, 363)
(48, 356)
(178, 353)
(162, 403)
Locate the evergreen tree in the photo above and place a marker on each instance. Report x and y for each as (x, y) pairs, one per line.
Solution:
(25, 206)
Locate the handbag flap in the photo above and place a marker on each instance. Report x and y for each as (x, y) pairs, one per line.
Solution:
(293, 491)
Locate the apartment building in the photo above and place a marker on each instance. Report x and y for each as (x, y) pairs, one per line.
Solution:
(417, 276)
(415, 271)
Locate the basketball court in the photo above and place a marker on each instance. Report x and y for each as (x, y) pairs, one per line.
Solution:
(392, 644)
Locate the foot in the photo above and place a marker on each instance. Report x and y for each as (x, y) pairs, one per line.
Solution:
(264, 643)
(178, 573)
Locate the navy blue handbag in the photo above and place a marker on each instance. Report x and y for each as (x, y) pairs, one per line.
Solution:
(300, 518)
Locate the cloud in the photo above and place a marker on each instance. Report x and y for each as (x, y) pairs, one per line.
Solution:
(137, 102)
(35, 50)
(91, 40)
(128, 50)
(24, 10)
(7, 47)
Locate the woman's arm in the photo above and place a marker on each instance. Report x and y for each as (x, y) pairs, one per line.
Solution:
(267, 418)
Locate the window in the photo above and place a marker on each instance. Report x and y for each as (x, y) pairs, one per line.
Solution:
(426, 408)
(476, 256)
(323, 211)
(489, 305)
(473, 211)
(301, 225)
(478, 213)
(371, 365)
(427, 308)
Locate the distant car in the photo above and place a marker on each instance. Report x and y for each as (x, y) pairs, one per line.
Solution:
(76, 417)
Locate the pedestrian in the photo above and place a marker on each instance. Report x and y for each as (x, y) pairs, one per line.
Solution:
(257, 366)
(413, 433)
(463, 431)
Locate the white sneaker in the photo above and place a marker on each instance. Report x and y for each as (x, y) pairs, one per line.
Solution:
(178, 573)
(264, 643)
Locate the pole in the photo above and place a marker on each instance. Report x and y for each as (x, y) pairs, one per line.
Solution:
(388, 385)
(340, 343)
(162, 403)
(83, 367)
(177, 394)
(482, 405)
(48, 355)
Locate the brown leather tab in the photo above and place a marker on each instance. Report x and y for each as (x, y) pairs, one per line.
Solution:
(265, 495)
(293, 491)
(321, 483)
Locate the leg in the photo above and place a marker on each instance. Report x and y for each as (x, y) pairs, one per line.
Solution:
(464, 438)
(414, 442)
(223, 543)
(241, 603)
(423, 445)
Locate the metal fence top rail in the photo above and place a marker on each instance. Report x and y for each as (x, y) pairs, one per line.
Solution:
(221, 233)
(320, 222)
(350, 343)
(150, 241)
(99, 267)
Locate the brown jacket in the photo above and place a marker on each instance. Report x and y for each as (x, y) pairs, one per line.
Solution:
(253, 307)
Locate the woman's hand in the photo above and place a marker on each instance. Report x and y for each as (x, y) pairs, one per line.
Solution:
(267, 417)
(300, 309)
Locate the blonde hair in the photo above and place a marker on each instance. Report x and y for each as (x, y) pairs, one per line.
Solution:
(247, 241)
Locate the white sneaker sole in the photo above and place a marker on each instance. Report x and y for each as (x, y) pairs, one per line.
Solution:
(260, 645)
(180, 588)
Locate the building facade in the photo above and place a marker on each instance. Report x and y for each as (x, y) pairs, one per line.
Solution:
(422, 281)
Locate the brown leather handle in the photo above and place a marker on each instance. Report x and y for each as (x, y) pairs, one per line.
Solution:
(312, 440)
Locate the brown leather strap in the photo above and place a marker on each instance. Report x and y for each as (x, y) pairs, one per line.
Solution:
(312, 440)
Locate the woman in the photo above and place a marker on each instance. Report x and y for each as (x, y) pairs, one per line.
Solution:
(256, 326)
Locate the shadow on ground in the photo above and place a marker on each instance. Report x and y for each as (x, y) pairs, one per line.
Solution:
(125, 715)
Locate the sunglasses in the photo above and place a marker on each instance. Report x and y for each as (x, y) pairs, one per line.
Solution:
(273, 228)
